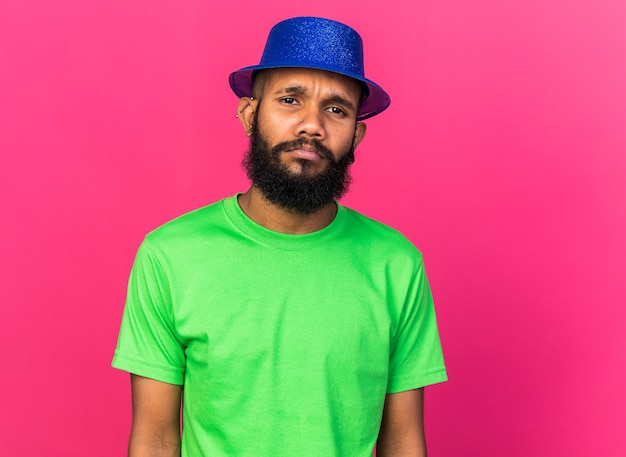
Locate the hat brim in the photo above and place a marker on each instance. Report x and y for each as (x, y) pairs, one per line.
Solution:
(375, 103)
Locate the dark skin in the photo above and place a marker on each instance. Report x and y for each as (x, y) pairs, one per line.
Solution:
(295, 102)
(155, 429)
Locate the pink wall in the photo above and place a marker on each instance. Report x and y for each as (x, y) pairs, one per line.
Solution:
(502, 156)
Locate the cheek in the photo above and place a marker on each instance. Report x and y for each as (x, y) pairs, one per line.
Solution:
(274, 128)
(344, 139)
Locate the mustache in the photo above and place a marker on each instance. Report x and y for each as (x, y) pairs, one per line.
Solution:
(296, 144)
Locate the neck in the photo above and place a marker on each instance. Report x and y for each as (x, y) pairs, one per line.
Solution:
(278, 219)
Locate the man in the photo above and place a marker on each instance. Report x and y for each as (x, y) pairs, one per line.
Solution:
(296, 326)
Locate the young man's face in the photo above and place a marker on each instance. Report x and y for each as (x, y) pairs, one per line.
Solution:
(303, 133)
(312, 105)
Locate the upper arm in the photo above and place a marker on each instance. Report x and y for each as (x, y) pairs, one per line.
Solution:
(402, 428)
(156, 416)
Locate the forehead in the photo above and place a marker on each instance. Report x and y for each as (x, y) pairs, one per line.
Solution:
(310, 79)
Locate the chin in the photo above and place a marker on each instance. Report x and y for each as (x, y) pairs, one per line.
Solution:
(303, 167)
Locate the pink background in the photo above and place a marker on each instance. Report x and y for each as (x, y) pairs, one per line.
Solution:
(502, 157)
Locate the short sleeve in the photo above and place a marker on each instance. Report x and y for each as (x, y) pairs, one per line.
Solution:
(416, 358)
(148, 344)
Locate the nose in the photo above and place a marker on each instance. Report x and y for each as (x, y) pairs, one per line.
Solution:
(311, 123)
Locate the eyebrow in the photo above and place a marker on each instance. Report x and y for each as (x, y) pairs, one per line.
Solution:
(300, 90)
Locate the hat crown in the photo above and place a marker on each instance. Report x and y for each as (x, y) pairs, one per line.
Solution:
(320, 44)
(314, 42)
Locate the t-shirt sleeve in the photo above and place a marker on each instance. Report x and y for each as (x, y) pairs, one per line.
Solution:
(416, 358)
(148, 344)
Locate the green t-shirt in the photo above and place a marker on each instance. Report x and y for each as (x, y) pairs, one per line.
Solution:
(286, 344)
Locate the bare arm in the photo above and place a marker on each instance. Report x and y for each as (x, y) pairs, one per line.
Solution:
(402, 428)
(156, 419)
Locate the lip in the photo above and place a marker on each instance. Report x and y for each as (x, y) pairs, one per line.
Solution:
(307, 154)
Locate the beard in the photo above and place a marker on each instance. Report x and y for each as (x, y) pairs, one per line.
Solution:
(305, 192)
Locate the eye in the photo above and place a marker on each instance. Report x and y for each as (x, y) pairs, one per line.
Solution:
(289, 100)
(336, 110)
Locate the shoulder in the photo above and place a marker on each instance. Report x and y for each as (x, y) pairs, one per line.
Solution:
(188, 235)
(385, 240)
(189, 224)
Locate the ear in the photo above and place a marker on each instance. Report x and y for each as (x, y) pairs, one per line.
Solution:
(245, 112)
(359, 133)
